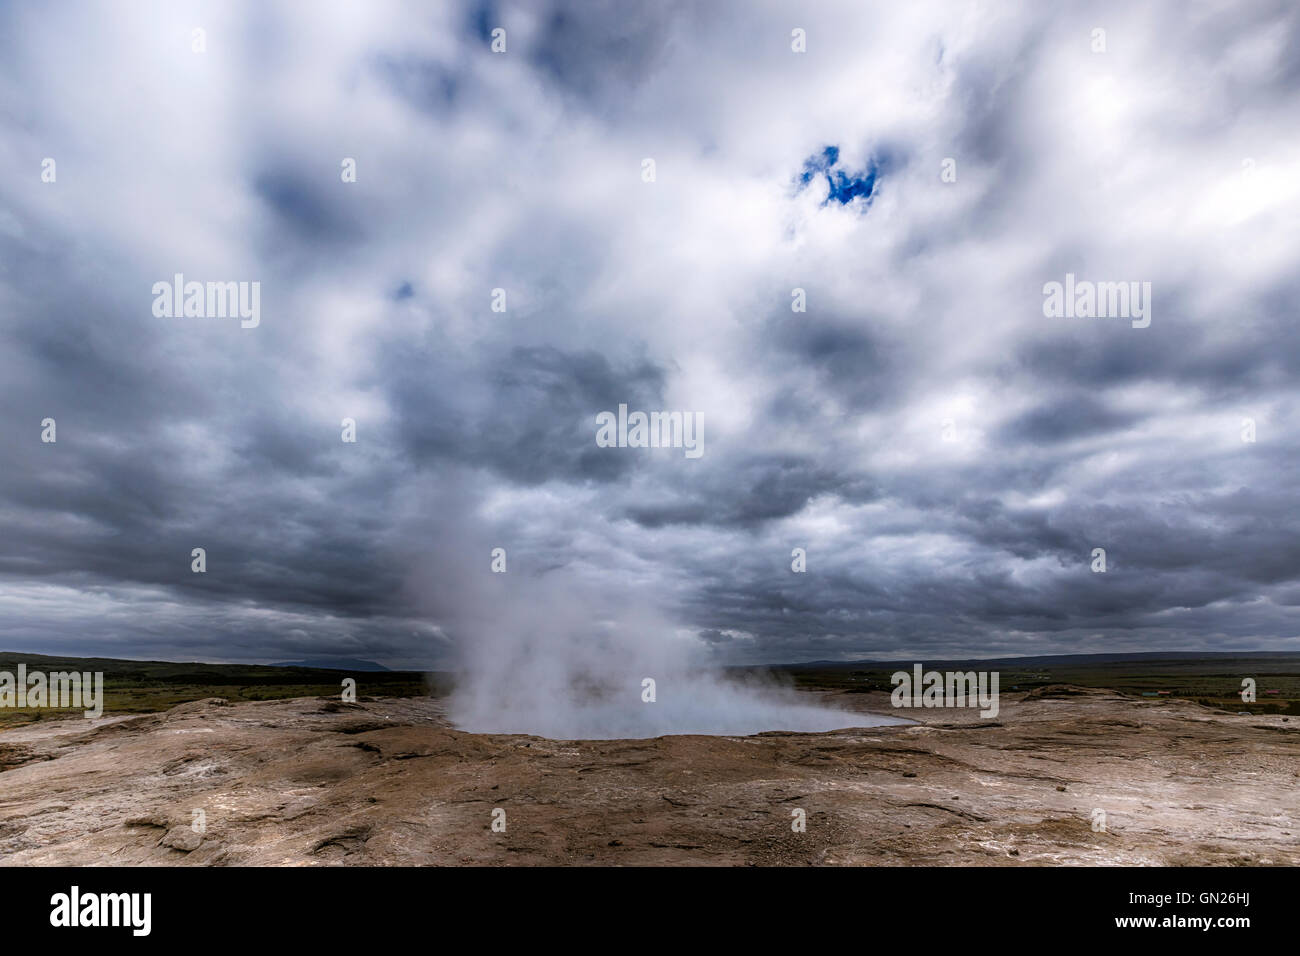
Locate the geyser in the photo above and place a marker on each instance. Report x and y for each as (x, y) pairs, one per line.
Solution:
(563, 654)
(695, 703)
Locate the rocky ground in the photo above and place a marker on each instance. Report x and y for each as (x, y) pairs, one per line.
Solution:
(312, 781)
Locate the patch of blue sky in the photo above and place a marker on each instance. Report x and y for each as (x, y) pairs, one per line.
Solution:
(844, 185)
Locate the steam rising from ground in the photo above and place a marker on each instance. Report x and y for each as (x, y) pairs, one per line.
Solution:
(553, 653)
(546, 668)
(565, 679)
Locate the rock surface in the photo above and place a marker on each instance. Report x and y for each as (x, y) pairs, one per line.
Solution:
(389, 781)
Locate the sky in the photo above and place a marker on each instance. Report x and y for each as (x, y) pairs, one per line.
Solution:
(948, 456)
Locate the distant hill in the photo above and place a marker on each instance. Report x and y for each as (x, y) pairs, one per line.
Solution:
(335, 664)
(1060, 660)
(197, 673)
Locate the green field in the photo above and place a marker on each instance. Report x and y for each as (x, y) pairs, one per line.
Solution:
(1214, 681)
(144, 687)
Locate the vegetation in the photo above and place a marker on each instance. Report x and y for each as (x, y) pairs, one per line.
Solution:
(143, 687)
(1212, 680)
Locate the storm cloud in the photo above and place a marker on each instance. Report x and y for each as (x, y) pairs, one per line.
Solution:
(839, 264)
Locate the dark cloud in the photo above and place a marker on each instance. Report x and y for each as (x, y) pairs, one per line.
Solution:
(597, 50)
(947, 456)
(426, 84)
(1065, 419)
(305, 210)
(529, 416)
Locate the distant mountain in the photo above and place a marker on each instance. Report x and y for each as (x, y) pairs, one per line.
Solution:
(334, 664)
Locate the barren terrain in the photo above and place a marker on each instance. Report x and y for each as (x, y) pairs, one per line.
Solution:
(311, 781)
